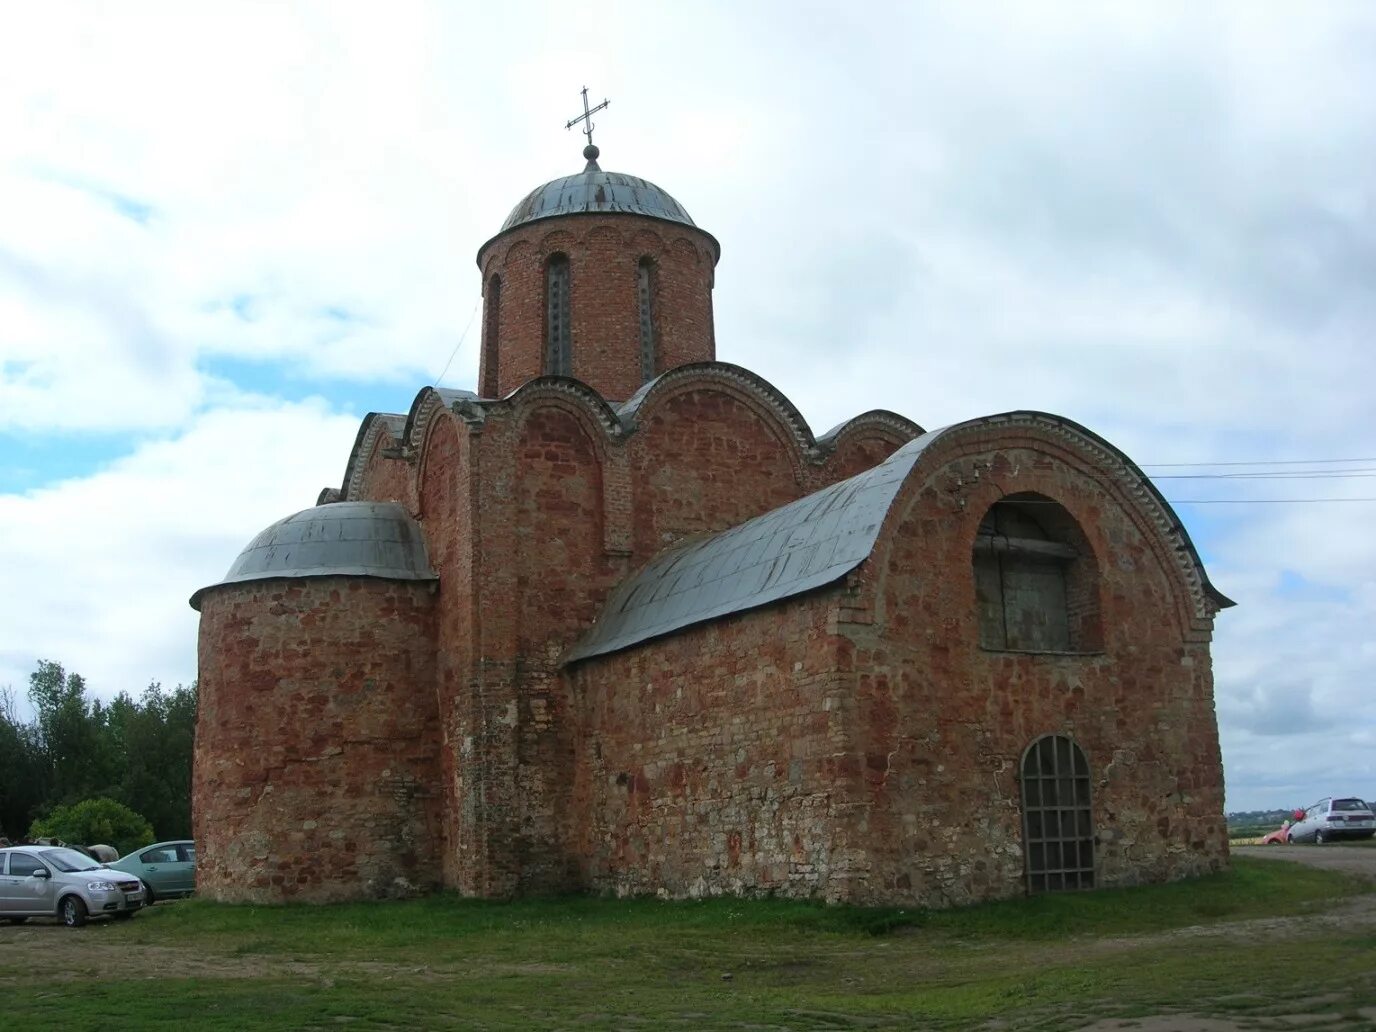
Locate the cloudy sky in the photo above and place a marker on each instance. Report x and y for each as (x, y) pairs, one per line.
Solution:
(228, 231)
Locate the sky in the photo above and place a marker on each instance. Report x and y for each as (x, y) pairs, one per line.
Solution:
(229, 231)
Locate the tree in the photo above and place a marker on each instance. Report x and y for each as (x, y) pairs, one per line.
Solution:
(134, 751)
(78, 761)
(96, 820)
(21, 778)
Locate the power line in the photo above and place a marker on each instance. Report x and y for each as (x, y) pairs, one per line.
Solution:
(1346, 474)
(461, 339)
(1254, 462)
(1260, 501)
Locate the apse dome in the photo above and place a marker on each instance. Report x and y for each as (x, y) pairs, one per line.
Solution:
(359, 539)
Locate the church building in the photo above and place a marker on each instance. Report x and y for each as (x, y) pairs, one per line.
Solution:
(621, 622)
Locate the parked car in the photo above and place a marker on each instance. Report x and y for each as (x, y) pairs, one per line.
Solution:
(1336, 818)
(167, 869)
(55, 881)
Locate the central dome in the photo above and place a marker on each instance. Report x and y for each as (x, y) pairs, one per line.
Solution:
(593, 190)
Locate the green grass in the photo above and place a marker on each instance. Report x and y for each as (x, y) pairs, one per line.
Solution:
(589, 963)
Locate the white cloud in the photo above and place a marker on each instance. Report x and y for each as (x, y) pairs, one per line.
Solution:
(103, 565)
(1157, 221)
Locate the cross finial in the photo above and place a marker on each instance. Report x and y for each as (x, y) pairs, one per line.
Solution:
(590, 151)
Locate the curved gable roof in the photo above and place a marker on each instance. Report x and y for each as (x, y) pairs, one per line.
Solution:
(800, 546)
(792, 549)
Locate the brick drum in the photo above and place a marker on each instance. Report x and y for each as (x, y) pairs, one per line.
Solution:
(861, 741)
(316, 772)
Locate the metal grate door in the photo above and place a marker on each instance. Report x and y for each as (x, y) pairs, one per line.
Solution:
(1058, 833)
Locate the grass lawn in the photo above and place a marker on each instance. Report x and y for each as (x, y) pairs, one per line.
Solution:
(1051, 962)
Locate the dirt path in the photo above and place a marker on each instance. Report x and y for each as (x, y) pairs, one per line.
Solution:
(1354, 859)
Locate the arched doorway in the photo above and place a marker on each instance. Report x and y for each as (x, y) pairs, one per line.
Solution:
(1058, 832)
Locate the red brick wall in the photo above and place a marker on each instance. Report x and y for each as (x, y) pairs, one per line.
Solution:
(718, 760)
(942, 723)
(388, 478)
(316, 746)
(604, 252)
(855, 455)
(445, 493)
(858, 744)
(704, 459)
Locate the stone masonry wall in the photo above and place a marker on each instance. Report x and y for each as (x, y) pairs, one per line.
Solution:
(604, 252)
(530, 521)
(719, 760)
(858, 744)
(943, 723)
(316, 774)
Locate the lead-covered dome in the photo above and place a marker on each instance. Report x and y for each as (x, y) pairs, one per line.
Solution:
(359, 539)
(593, 190)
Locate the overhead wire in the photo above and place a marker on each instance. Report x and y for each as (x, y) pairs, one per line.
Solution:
(462, 337)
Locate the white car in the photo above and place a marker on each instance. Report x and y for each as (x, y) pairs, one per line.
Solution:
(1331, 819)
(54, 881)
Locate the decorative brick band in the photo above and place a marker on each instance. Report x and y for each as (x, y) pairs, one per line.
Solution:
(384, 426)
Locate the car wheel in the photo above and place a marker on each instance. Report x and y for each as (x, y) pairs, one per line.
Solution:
(148, 898)
(73, 911)
(1320, 838)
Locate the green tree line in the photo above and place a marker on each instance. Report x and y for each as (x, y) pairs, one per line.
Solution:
(134, 751)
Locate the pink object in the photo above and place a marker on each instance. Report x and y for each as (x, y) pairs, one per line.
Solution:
(1279, 837)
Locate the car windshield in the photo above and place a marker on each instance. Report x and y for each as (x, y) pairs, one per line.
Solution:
(68, 860)
(1348, 804)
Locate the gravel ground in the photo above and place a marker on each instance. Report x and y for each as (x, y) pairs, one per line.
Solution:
(1353, 858)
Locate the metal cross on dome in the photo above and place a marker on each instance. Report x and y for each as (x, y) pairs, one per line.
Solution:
(586, 116)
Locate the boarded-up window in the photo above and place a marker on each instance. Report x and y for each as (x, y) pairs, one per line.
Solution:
(1035, 579)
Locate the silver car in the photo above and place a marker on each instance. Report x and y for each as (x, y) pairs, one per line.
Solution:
(1331, 819)
(54, 881)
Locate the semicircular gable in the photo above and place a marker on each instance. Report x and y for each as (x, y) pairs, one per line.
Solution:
(864, 441)
(429, 401)
(568, 391)
(1098, 459)
(733, 379)
(820, 538)
(880, 421)
(378, 430)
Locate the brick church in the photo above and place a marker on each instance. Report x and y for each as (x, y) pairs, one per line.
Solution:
(621, 622)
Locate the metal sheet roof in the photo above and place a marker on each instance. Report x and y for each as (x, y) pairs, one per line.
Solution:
(797, 547)
(362, 539)
(595, 190)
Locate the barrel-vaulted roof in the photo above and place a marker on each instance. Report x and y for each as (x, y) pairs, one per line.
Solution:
(817, 540)
(360, 539)
(792, 549)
